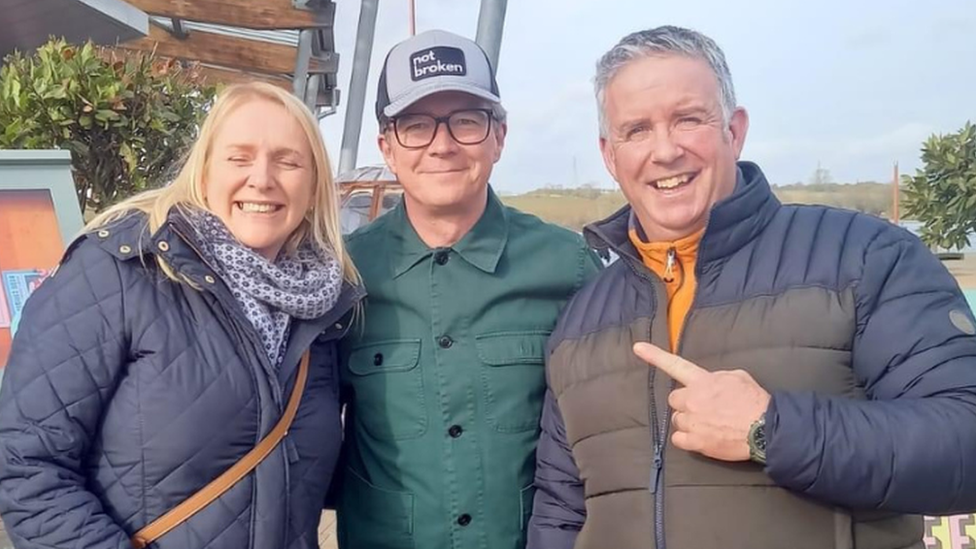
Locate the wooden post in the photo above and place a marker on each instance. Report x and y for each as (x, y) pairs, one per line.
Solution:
(413, 17)
(895, 196)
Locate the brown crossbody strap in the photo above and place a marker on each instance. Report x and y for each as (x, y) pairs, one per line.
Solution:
(206, 495)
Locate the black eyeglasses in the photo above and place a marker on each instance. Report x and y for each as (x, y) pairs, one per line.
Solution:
(467, 127)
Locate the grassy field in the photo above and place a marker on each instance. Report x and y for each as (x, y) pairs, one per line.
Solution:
(573, 208)
(567, 209)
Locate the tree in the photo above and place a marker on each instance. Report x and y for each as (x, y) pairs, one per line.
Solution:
(942, 194)
(126, 118)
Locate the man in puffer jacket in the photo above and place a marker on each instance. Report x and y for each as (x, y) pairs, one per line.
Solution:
(826, 387)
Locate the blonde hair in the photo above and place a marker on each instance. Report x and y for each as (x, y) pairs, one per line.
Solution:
(321, 223)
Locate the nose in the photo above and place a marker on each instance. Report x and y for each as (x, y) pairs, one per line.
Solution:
(443, 144)
(261, 175)
(664, 150)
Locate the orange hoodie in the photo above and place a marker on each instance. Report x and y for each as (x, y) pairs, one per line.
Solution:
(674, 262)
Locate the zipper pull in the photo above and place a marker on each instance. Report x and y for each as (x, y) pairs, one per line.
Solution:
(669, 266)
(656, 470)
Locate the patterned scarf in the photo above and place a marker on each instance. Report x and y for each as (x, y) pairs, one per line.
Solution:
(305, 284)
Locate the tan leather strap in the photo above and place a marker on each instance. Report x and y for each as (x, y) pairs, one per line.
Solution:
(230, 477)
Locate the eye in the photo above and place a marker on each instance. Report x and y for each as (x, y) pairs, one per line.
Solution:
(689, 121)
(637, 133)
(414, 124)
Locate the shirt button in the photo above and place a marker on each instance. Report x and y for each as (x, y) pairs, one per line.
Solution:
(378, 359)
(464, 519)
(442, 257)
(445, 342)
(455, 431)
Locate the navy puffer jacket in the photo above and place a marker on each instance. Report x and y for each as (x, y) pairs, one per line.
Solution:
(125, 393)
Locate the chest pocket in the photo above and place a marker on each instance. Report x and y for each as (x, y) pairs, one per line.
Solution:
(389, 388)
(513, 378)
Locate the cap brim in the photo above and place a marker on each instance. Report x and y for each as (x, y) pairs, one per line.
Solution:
(430, 88)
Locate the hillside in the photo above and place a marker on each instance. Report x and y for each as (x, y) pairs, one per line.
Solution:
(574, 208)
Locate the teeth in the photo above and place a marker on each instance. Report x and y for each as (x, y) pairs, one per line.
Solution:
(672, 182)
(257, 208)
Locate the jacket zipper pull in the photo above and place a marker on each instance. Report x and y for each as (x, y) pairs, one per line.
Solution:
(656, 470)
(669, 266)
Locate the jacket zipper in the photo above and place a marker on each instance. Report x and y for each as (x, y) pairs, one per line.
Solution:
(661, 430)
(658, 430)
(242, 324)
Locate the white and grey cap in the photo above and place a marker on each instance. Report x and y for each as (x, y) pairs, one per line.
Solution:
(432, 62)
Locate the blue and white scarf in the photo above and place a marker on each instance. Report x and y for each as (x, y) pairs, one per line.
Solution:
(304, 284)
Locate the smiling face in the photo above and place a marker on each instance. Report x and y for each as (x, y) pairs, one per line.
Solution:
(260, 175)
(668, 144)
(445, 175)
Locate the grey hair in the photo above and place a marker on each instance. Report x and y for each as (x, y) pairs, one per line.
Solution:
(664, 40)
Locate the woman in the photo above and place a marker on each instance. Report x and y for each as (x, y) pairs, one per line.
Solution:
(169, 342)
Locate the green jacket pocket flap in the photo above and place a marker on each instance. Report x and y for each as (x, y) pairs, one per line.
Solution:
(512, 348)
(394, 355)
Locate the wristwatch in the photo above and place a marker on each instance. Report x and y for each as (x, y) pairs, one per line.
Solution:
(757, 440)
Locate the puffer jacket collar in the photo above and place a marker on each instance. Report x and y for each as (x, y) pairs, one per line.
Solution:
(129, 239)
(732, 223)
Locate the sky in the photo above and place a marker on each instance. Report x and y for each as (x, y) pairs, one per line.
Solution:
(850, 86)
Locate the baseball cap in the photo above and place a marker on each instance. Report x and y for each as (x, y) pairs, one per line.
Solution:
(432, 62)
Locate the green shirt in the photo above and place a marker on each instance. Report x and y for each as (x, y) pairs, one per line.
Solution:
(444, 379)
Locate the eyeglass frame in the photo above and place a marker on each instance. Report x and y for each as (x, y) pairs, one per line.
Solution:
(438, 120)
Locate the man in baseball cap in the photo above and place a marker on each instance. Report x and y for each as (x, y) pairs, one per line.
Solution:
(444, 380)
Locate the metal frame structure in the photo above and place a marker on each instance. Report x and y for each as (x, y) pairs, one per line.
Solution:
(288, 43)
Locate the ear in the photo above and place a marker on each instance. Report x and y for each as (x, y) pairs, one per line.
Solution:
(738, 128)
(501, 130)
(609, 157)
(387, 149)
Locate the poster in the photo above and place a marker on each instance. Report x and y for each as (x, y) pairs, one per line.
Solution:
(18, 286)
(4, 309)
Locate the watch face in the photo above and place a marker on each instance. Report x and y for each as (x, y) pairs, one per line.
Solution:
(760, 438)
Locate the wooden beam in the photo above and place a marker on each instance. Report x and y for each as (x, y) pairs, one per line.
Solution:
(214, 75)
(249, 14)
(225, 51)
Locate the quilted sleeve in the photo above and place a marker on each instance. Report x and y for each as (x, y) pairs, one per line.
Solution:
(559, 511)
(68, 352)
(912, 447)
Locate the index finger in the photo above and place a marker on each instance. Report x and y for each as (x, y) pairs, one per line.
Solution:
(681, 370)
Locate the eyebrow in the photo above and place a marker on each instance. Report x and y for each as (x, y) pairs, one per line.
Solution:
(692, 108)
(280, 151)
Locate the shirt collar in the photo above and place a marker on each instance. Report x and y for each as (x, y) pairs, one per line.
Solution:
(481, 247)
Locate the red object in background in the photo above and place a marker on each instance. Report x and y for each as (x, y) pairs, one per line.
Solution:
(29, 239)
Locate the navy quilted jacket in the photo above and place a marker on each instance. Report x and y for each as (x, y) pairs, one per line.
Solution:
(125, 393)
